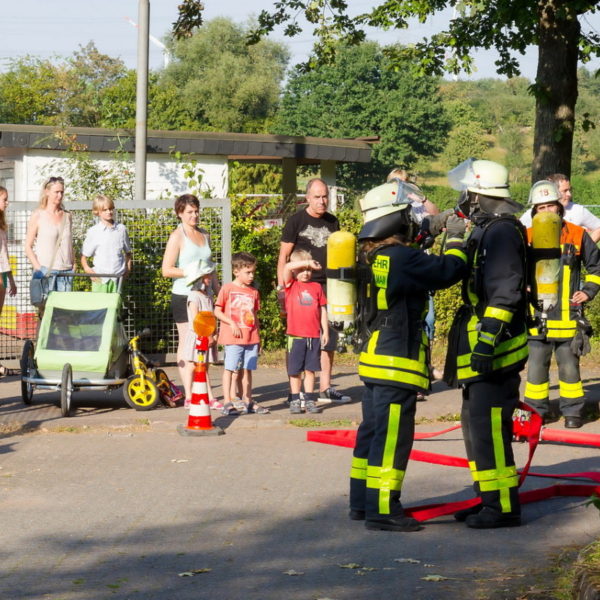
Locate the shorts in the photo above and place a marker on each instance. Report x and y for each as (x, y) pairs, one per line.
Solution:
(239, 356)
(333, 340)
(179, 308)
(5, 279)
(303, 354)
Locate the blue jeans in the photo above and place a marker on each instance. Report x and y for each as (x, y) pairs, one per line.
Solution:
(57, 283)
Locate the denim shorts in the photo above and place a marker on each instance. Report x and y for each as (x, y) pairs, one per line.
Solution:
(241, 357)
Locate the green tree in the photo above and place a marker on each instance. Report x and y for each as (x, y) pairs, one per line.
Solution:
(31, 93)
(89, 75)
(465, 140)
(224, 84)
(507, 26)
(360, 95)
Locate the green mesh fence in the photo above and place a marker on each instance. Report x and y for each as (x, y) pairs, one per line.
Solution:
(146, 294)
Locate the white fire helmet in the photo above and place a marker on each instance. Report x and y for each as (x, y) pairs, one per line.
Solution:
(387, 209)
(480, 176)
(543, 192)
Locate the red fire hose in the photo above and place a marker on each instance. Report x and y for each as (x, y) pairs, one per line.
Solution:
(527, 426)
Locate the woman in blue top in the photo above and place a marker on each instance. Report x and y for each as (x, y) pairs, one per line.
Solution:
(187, 246)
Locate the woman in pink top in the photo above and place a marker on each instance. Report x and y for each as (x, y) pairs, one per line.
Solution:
(49, 236)
(6, 280)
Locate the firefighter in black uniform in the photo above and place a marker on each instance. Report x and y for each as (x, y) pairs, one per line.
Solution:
(394, 280)
(488, 341)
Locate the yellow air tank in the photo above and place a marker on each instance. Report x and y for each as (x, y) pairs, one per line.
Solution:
(341, 275)
(546, 256)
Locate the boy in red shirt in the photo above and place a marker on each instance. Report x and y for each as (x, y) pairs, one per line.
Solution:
(236, 307)
(307, 328)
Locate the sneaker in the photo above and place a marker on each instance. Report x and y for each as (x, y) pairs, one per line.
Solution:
(187, 402)
(296, 407)
(216, 405)
(311, 407)
(332, 396)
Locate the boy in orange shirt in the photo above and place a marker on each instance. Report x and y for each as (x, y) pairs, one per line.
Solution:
(236, 308)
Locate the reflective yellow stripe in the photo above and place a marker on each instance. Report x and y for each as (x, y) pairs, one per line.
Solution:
(507, 353)
(456, 252)
(394, 362)
(592, 278)
(565, 293)
(492, 474)
(400, 376)
(570, 390)
(358, 470)
(386, 478)
(568, 324)
(393, 368)
(537, 391)
(501, 485)
(381, 300)
(498, 313)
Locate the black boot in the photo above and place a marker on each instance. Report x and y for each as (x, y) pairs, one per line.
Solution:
(356, 515)
(461, 515)
(488, 518)
(393, 523)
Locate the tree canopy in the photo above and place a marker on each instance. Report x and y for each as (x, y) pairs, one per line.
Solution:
(505, 25)
(223, 83)
(358, 95)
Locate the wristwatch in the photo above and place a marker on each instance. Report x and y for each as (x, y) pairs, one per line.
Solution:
(280, 287)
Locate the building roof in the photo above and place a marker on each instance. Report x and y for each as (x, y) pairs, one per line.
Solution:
(239, 146)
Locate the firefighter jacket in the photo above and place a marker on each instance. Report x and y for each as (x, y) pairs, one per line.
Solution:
(492, 320)
(576, 246)
(396, 351)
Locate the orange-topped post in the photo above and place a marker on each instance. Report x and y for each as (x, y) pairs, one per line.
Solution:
(199, 419)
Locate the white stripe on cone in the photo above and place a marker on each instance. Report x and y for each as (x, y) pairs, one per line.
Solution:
(199, 410)
(199, 387)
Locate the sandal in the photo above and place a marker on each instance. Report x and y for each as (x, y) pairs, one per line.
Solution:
(230, 410)
(253, 407)
(6, 372)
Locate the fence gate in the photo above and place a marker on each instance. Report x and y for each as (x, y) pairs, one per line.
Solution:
(146, 294)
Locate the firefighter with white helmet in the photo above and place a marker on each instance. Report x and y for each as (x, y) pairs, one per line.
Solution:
(487, 346)
(560, 326)
(394, 278)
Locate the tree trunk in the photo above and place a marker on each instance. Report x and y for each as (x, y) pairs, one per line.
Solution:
(556, 89)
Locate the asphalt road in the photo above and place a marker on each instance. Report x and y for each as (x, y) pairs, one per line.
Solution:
(114, 503)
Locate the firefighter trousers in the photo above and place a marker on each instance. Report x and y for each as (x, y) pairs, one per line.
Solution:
(572, 399)
(383, 444)
(486, 417)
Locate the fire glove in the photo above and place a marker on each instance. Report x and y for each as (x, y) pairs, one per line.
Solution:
(438, 222)
(455, 227)
(482, 357)
(580, 344)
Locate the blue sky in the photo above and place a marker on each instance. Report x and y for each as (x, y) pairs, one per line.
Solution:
(46, 28)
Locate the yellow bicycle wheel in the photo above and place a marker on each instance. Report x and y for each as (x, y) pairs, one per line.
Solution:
(141, 394)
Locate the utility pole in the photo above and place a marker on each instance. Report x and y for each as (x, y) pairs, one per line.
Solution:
(141, 105)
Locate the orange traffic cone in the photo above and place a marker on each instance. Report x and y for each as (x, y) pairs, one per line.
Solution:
(199, 419)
